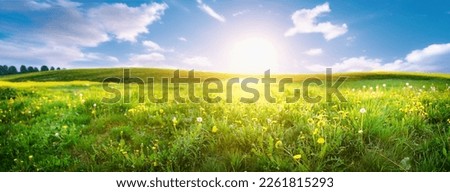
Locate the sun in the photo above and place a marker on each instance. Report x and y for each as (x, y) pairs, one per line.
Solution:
(253, 55)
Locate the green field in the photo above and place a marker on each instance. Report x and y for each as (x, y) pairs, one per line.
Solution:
(56, 121)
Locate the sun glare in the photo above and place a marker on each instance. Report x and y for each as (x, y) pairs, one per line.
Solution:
(253, 55)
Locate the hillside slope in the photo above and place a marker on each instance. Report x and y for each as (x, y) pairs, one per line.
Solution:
(98, 75)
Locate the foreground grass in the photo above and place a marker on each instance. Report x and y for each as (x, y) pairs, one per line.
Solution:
(55, 126)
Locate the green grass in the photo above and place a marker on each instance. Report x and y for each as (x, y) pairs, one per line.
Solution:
(55, 121)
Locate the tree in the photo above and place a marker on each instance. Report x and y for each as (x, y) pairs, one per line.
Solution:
(58, 69)
(3, 70)
(12, 70)
(52, 68)
(35, 69)
(23, 69)
(44, 68)
(30, 69)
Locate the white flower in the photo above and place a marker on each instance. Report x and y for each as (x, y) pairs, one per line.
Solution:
(384, 84)
(199, 119)
(410, 86)
(269, 121)
(364, 86)
(407, 84)
(360, 131)
(362, 110)
(95, 104)
(423, 86)
(353, 89)
(56, 134)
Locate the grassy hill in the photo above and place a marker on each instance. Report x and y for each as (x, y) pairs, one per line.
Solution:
(98, 75)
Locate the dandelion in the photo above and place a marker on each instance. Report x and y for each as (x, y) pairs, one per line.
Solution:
(264, 129)
(360, 131)
(30, 157)
(154, 148)
(95, 105)
(321, 140)
(423, 87)
(269, 121)
(297, 157)
(278, 144)
(161, 111)
(321, 123)
(310, 121)
(199, 120)
(65, 126)
(56, 134)
(174, 121)
(384, 85)
(155, 164)
(407, 84)
(364, 86)
(405, 163)
(353, 90)
(214, 129)
(362, 110)
(315, 131)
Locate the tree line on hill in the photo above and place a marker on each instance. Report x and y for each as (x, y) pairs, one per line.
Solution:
(9, 70)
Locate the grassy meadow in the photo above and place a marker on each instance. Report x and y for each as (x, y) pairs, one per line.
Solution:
(56, 121)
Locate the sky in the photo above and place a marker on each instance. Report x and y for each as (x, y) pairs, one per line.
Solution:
(250, 36)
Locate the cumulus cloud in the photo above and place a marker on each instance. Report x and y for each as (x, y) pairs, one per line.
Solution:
(152, 46)
(305, 21)
(59, 38)
(314, 52)
(197, 61)
(182, 39)
(428, 54)
(434, 57)
(208, 10)
(145, 59)
(126, 23)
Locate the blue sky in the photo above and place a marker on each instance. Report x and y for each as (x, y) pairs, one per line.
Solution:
(296, 36)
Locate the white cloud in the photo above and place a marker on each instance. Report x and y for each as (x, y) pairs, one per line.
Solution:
(357, 64)
(67, 3)
(152, 46)
(434, 57)
(69, 28)
(145, 59)
(314, 52)
(126, 23)
(208, 10)
(182, 39)
(428, 54)
(305, 21)
(197, 61)
(100, 57)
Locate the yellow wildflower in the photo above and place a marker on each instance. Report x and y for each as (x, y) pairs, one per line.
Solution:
(214, 129)
(321, 140)
(278, 144)
(297, 157)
